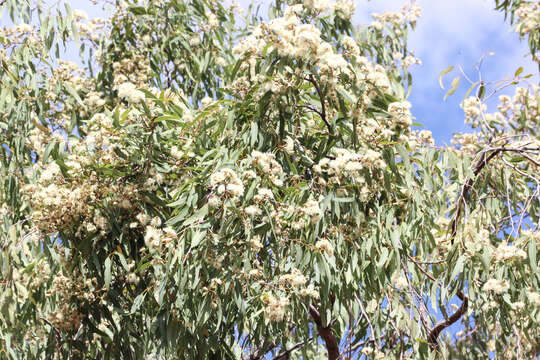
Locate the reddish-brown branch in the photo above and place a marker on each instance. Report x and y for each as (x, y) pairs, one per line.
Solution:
(322, 113)
(467, 187)
(326, 333)
(481, 164)
(441, 325)
(486, 156)
(284, 355)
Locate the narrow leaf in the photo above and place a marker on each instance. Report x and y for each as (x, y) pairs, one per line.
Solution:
(444, 72)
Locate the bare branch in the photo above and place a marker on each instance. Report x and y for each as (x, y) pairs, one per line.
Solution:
(55, 330)
(322, 113)
(441, 325)
(370, 325)
(285, 354)
(262, 350)
(466, 188)
(481, 163)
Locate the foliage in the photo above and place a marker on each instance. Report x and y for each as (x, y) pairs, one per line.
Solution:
(525, 15)
(216, 185)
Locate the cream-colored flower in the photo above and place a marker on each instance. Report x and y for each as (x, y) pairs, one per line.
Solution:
(496, 286)
(325, 246)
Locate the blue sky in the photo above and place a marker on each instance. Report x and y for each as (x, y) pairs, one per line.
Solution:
(456, 32)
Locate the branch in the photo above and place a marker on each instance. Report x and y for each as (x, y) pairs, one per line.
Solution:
(441, 325)
(372, 331)
(55, 330)
(477, 169)
(363, 343)
(285, 354)
(480, 165)
(326, 333)
(309, 107)
(416, 298)
(322, 113)
(259, 353)
(467, 186)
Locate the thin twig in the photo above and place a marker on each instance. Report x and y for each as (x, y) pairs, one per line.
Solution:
(56, 331)
(284, 354)
(370, 325)
(466, 188)
(312, 80)
(364, 343)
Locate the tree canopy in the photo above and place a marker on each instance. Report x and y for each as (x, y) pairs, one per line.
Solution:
(212, 183)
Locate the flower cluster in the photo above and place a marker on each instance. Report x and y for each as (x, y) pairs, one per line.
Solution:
(533, 297)
(400, 112)
(528, 15)
(71, 207)
(524, 101)
(506, 252)
(344, 9)
(227, 182)
(275, 307)
(295, 279)
(128, 91)
(311, 208)
(468, 143)
(263, 194)
(409, 13)
(268, 165)
(296, 40)
(212, 22)
(473, 108)
(326, 246)
(346, 161)
(496, 286)
(399, 280)
(309, 291)
(155, 238)
(92, 29)
(350, 46)
(73, 291)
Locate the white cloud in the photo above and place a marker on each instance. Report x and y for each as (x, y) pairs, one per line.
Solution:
(459, 32)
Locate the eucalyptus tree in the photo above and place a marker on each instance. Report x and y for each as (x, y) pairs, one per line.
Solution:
(212, 183)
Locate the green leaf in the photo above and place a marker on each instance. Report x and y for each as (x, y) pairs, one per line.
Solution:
(107, 275)
(395, 237)
(481, 91)
(167, 118)
(137, 303)
(73, 93)
(48, 149)
(444, 72)
(458, 268)
(455, 84)
(201, 213)
(137, 10)
(471, 89)
(518, 71)
(197, 237)
(532, 255)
